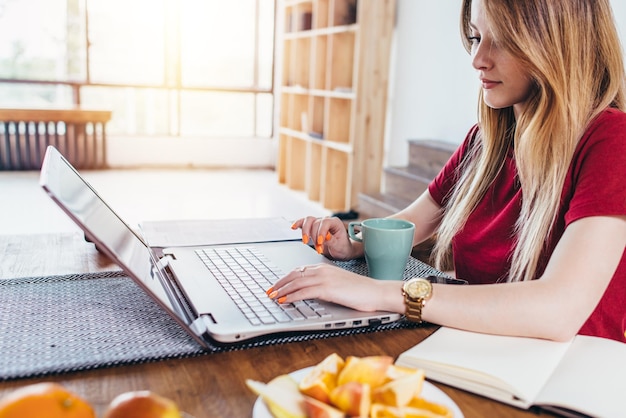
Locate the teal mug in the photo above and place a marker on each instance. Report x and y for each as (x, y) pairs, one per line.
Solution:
(387, 244)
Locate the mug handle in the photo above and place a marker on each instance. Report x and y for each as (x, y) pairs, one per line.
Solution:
(352, 233)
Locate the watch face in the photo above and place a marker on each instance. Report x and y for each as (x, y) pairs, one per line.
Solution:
(418, 288)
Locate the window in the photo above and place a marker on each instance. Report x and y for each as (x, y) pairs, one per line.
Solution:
(164, 67)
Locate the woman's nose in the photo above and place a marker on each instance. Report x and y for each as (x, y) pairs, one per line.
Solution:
(481, 56)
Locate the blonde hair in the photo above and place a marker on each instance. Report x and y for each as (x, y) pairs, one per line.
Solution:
(572, 51)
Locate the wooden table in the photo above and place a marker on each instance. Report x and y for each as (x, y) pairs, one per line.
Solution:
(206, 386)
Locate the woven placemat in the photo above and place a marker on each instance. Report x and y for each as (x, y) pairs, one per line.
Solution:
(60, 324)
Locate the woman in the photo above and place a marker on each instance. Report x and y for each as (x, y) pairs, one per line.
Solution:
(532, 205)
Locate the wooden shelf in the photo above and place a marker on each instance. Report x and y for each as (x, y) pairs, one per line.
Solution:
(319, 32)
(333, 92)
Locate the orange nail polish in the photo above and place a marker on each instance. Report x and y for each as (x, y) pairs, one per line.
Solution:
(328, 236)
(282, 299)
(273, 294)
(270, 290)
(305, 238)
(293, 226)
(319, 249)
(320, 240)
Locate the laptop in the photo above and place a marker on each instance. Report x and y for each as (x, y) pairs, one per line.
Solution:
(191, 283)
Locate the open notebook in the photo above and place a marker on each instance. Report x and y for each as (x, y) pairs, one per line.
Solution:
(577, 378)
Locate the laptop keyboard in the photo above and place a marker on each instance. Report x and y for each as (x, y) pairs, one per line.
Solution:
(245, 274)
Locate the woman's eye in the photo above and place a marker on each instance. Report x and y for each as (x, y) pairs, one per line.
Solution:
(474, 40)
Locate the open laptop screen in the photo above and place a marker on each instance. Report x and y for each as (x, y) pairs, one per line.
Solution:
(105, 228)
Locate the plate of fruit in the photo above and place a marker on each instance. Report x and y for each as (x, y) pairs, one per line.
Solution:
(371, 387)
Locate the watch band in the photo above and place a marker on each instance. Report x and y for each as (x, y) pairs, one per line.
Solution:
(413, 311)
(416, 292)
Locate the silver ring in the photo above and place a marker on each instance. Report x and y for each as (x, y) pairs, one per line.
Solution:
(302, 271)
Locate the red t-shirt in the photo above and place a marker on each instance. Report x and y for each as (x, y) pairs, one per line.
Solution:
(595, 186)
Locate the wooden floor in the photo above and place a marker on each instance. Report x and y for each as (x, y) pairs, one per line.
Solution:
(153, 194)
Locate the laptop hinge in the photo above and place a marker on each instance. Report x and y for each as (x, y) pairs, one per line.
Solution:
(164, 262)
(198, 326)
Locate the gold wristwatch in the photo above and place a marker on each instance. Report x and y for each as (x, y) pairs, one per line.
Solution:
(416, 292)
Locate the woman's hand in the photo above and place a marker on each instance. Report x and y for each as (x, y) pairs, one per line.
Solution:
(334, 284)
(329, 236)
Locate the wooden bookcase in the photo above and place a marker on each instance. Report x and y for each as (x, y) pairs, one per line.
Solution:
(332, 86)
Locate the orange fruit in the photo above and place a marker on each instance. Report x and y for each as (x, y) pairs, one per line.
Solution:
(353, 398)
(394, 372)
(379, 410)
(142, 404)
(371, 370)
(400, 391)
(322, 378)
(386, 411)
(317, 409)
(44, 400)
(435, 408)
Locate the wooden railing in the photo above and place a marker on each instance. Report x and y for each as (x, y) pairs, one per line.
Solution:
(79, 134)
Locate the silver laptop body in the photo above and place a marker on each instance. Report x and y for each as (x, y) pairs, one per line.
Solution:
(179, 280)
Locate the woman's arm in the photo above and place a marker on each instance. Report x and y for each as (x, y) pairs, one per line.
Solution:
(553, 307)
(425, 213)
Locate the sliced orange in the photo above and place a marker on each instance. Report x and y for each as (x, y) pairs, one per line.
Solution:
(435, 408)
(322, 378)
(386, 411)
(379, 410)
(317, 409)
(44, 400)
(353, 398)
(394, 371)
(401, 391)
(371, 370)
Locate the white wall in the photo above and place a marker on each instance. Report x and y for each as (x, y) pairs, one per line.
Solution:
(433, 92)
